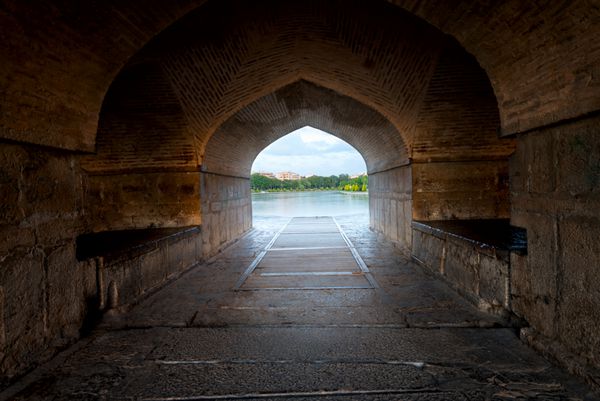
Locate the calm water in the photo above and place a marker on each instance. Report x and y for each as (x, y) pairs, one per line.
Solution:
(322, 203)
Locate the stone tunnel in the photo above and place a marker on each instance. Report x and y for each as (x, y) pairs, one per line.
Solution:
(129, 128)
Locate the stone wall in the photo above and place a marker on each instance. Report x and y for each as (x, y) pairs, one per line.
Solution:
(478, 271)
(142, 200)
(125, 277)
(555, 194)
(390, 204)
(226, 210)
(460, 190)
(44, 291)
(48, 296)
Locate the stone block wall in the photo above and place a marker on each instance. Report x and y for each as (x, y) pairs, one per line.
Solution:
(142, 200)
(390, 204)
(226, 210)
(47, 295)
(460, 190)
(125, 278)
(555, 194)
(44, 291)
(480, 273)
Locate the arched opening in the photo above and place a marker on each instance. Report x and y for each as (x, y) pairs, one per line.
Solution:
(309, 172)
(231, 150)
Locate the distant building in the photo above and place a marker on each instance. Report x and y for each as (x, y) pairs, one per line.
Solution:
(266, 174)
(287, 175)
(357, 175)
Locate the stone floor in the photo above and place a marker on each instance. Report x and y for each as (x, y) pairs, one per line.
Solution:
(206, 336)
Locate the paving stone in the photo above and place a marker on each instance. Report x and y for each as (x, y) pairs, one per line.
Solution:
(412, 338)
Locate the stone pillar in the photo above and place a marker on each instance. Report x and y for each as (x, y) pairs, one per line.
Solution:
(555, 195)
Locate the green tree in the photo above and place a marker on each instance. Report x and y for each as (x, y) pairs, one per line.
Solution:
(343, 182)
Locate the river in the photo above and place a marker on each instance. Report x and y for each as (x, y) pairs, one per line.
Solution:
(313, 203)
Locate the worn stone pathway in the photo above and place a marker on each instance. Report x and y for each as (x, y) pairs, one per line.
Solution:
(309, 309)
(308, 253)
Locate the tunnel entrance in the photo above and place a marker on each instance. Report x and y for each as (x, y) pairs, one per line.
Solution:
(130, 129)
(174, 150)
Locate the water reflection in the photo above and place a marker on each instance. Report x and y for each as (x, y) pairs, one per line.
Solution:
(318, 203)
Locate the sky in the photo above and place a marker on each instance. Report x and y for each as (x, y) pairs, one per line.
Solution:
(309, 151)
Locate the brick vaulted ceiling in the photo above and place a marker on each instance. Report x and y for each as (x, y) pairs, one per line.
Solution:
(425, 91)
(219, 56)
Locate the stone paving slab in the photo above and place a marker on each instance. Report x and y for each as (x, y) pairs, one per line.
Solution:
(364, 363)
(311, 228)
(291, 262)
(337, 281)
(277, 315)
(308, 260)
(412, 338)
(308, 240)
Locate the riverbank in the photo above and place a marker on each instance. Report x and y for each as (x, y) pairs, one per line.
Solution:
(254, 191)
(366, 193)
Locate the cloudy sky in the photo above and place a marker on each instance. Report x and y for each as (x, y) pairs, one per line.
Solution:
(310, 151)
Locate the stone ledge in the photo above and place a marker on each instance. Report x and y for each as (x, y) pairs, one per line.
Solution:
(130, 264)
(494, 237)
(473, 256)
(114, 246)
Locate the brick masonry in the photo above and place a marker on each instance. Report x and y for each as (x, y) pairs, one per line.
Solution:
(60, 59)
(542, 58)
(460, 190)
(235, 145)
(142, 200)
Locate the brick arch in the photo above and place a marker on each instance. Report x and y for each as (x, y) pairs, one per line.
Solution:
(237, 142)
(541, 58)
(207, 77)
(144, 170)
(434, 94)
(210, 92)
(142, 126)
(219, 62)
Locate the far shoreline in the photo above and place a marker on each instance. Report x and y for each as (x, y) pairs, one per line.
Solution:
(311, 190)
